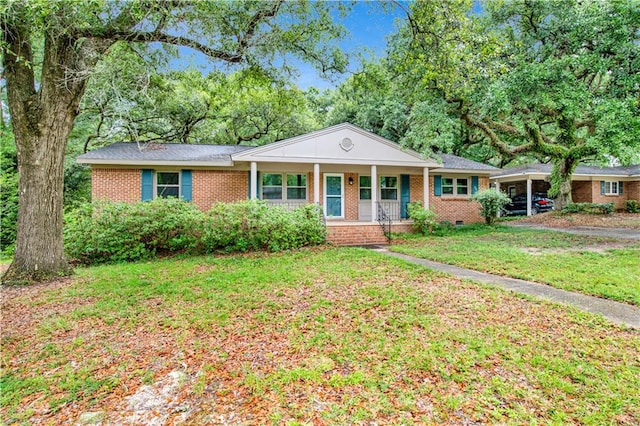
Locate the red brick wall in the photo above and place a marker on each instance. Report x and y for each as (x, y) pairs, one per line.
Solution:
(211, 186)
(581, 191)
(454, 209)
(416, 191)
(632, 189)
(124, 185)
(351, 197)
(617, 200)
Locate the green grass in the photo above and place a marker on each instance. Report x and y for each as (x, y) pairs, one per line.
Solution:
(596, 266)
(335, 336)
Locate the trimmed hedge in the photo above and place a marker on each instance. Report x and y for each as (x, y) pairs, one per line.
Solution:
(631, 206)
(591, 208)
(112, 232)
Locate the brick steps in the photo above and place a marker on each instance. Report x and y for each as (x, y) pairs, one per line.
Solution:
(353, 234)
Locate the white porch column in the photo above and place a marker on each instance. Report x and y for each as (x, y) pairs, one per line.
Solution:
(374, 193)
(425, 187)
(316, 184)
(529, 197)
(498, 189)
(253, 181)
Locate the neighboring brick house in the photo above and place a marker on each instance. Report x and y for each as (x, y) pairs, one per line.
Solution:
(350, 172)
(589, 184)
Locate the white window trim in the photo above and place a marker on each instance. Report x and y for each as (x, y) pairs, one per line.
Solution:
(155, 182)
(455, 187)
(608, 185)
(284, 187)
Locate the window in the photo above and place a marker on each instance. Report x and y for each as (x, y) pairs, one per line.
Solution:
(296, 187)
(462, 186)
(167, 184)
(611, 188)
(388, 187)
(274, 187)
(455, 186)
(447, 186)
(365, 187)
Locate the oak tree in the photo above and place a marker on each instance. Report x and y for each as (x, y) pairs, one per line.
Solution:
(45, 91)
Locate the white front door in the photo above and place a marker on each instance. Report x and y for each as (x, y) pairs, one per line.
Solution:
(334, 195)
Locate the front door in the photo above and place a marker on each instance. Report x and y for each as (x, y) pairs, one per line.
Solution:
(333, 195)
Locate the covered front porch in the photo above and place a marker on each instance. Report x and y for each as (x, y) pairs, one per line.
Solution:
(354, 175)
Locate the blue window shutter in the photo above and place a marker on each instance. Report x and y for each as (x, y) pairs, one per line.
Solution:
(147, 184)
(437, 185)
(474, 185)
(186, 185)
(405, 195)
(602, 190)
(259, 195)
(620, 187)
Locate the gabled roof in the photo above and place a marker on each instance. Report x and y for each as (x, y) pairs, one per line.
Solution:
(545, 169)
(459, 164)
(340, 144)
(162, 154)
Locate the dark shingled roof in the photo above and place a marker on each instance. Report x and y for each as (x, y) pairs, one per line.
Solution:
(131, 151)
(538, 168)
(458, 163)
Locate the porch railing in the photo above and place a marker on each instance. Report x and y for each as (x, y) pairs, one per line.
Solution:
(384, 219)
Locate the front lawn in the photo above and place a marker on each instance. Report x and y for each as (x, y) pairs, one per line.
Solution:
(323, 336)
(603, 267)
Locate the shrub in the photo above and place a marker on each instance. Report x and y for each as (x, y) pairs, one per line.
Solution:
(111, 232)
(631, 206)
(591, 208)
(255, 225)
(491, 202)
(423, 220)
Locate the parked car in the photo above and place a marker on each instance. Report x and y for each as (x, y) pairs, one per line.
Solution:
(539, 203)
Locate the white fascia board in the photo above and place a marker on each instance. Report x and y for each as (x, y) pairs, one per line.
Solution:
(224, 163)
(307, 160)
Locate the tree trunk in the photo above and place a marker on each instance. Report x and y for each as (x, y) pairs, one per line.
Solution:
(39, 246)
(561, 181)
(42, 120)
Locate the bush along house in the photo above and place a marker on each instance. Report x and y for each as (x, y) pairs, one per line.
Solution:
(360, 180)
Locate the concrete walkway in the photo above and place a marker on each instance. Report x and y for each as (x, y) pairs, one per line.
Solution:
(619, 313)
(592, 231)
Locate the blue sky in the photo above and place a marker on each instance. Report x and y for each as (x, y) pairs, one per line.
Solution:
(367, 25)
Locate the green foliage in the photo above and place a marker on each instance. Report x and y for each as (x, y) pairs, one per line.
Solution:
(424, 220)
(591, 208)
(555, 80)
(631, 206)
(8, 192)
(255, 225)
(491, 202)
(112, 232)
